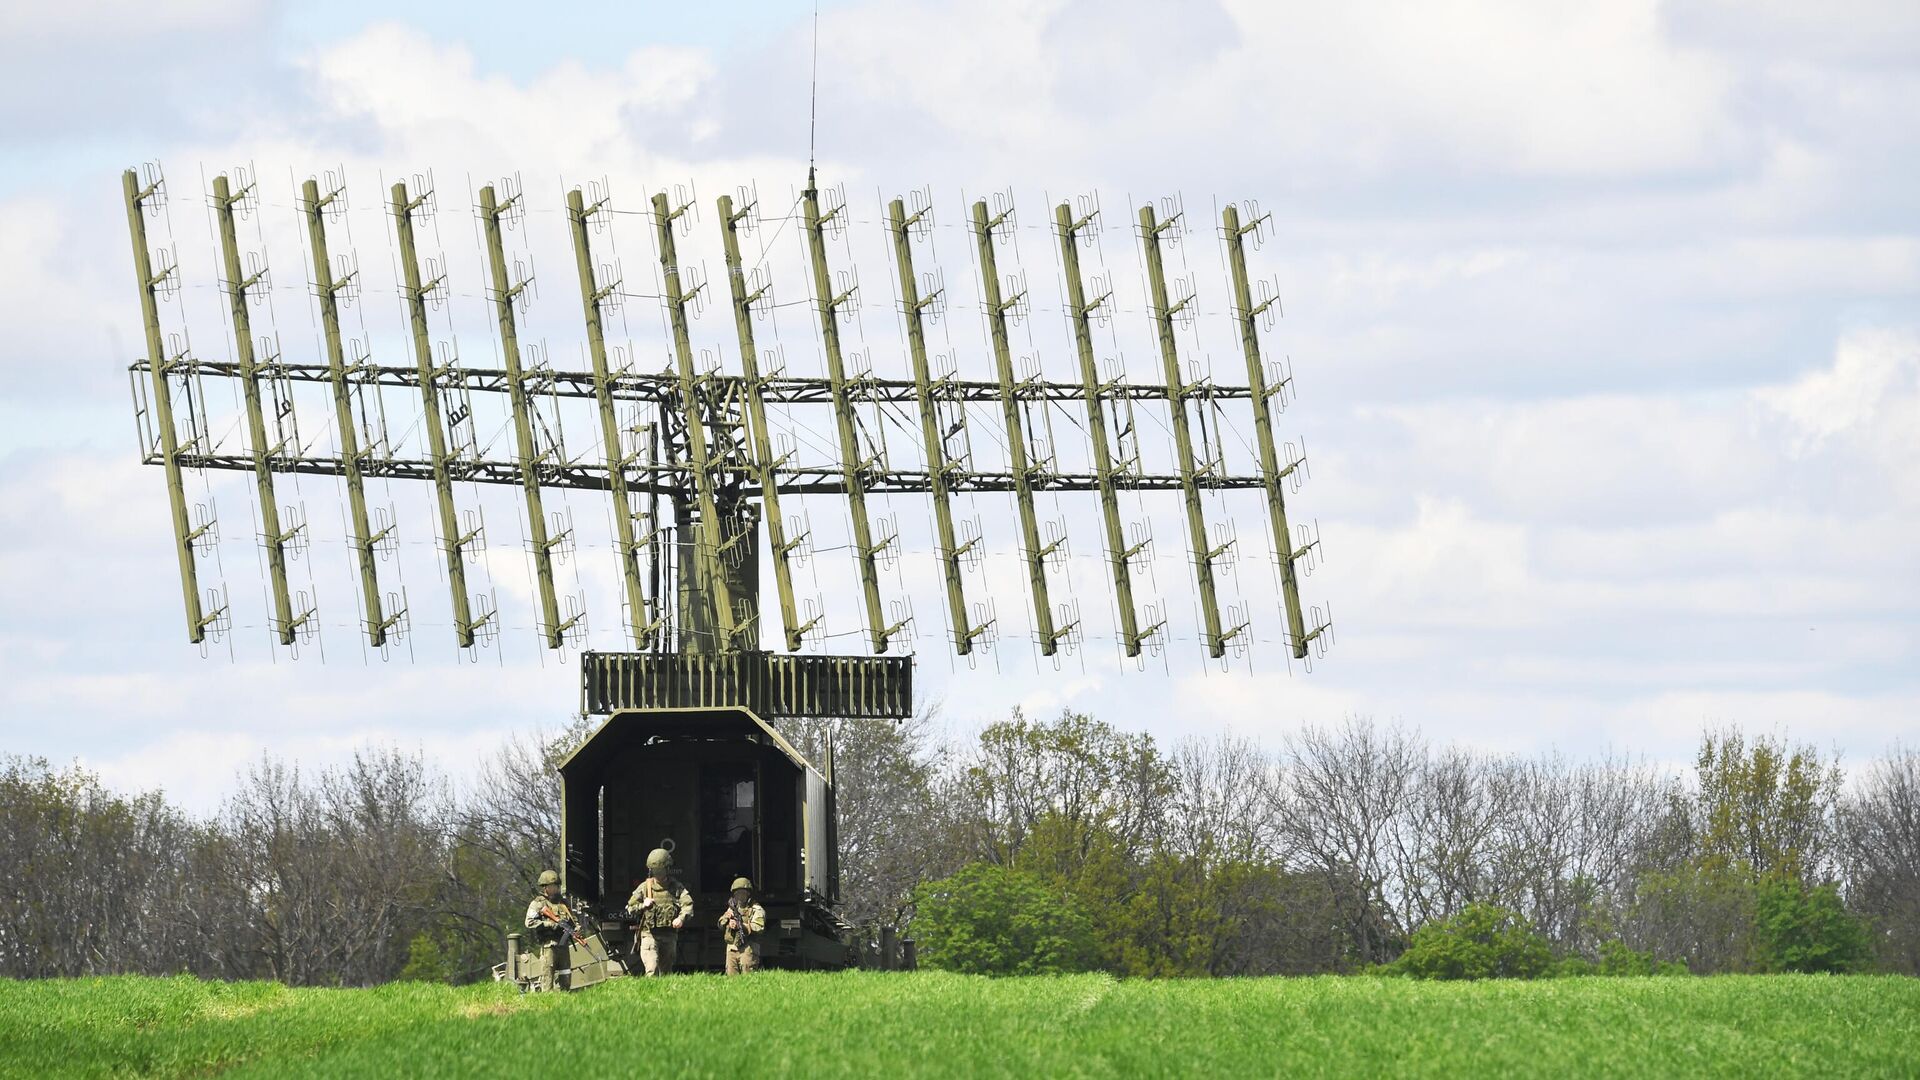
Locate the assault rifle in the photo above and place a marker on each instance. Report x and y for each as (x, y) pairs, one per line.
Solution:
(571, 927)
(740, 931)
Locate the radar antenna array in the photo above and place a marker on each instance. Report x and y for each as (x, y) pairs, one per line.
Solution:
(725, 441)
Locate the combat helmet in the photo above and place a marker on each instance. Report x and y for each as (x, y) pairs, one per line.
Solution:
(659, 859)
(548, 877)
(740, 883)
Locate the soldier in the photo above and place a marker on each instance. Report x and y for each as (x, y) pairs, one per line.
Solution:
(549, 916)
(741, 924)
(661, 905)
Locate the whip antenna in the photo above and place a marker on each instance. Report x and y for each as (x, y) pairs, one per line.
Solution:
(813, 97)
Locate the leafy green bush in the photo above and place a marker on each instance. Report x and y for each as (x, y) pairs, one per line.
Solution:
(1618, 958)
(1806, 929)
(1481, 941)
(1701, 915)
(991, 920)
(427, 960)
(1574, 967)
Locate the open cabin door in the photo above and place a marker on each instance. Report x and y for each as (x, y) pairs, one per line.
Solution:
(729, 822)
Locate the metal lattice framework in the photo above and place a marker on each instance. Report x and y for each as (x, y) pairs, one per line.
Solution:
(698, 437)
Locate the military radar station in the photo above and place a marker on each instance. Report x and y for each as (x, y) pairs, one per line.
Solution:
(711, 472)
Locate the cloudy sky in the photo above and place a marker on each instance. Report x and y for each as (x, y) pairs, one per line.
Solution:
(1604, 320)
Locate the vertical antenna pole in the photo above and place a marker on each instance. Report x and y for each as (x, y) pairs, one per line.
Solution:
(1177, 390)
(938, 464)
(763, 459)
(285, 622)
(640, 618)
(852, 468)
(1245, 313)
(1036, 555)
(313, 208)
(157, 364)
(1080, 310)
(711, 576)
(416, 294)
(505, 292)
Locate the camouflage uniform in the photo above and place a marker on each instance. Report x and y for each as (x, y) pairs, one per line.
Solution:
(743, 950)
(659, 940)
(546, 915)
(546, 928)
(546, 918)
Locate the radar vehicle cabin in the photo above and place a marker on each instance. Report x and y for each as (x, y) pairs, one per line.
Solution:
(732, 798)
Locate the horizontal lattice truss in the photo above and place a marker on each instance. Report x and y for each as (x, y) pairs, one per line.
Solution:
(662, 392)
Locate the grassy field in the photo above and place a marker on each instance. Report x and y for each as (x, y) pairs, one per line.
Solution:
(871, 1024)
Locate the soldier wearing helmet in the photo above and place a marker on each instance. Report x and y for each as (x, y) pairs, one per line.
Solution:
(741, 924)
(549, 915)
(660, 906)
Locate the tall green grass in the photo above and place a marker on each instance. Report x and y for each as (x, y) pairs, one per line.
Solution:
(872, 1024)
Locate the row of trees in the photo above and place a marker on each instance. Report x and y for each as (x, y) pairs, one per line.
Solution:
(376, 870)
(1328, 851)
(1063, 843)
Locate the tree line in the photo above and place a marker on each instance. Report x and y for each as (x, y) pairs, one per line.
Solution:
(1033, 845)
(1331, 851)
(376, 870)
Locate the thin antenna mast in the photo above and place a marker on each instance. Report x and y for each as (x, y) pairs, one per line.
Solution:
(505, 293)
(939, 467)
(1023, 471)
(642, 623)
(1080, 311)
(286, 623)
(313, 206)
(1152, 231)
(185, 536)
(854, 462)
(464, 624)
(762, 447)
(813, 94)
(711, 542)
